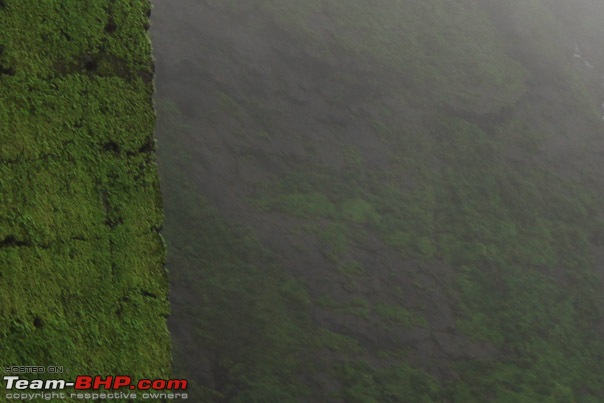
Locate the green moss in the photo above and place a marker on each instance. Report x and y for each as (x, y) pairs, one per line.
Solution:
(82, 264)
(335, 236)
(302, 205)
(351, 269)
(359, 211)
(398, 315)
(400, 383)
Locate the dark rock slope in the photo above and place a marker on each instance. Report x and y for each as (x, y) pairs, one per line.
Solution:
(373, 201)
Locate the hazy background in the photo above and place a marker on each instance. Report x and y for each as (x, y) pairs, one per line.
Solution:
(383, 201)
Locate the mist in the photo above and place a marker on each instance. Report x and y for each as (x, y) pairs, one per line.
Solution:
(383, 201)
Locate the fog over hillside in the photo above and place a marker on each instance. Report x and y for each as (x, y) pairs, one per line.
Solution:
(383, 201)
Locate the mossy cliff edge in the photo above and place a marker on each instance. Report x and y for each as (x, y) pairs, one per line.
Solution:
(82, 276)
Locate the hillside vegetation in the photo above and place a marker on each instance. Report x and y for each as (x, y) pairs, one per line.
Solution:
(82, 277)
(384, 201)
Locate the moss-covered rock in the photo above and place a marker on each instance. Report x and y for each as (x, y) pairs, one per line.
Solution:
(82, 276)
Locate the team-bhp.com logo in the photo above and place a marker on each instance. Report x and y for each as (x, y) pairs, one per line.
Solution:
(89, 388)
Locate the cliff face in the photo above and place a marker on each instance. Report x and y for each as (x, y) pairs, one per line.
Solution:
(82, 276)
(373, 201)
